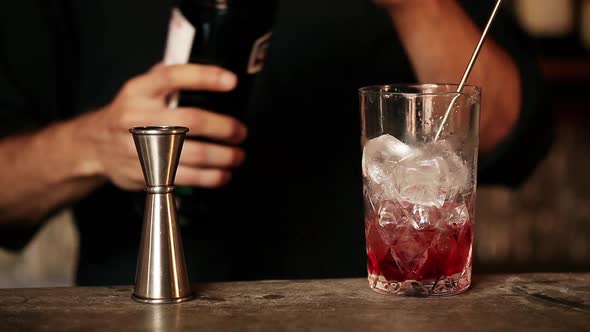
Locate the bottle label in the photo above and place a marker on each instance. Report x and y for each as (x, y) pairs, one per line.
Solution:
(181, 34)
(258, 53)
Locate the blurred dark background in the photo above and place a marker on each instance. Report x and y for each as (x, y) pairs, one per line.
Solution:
(545, 225)
(542, 226)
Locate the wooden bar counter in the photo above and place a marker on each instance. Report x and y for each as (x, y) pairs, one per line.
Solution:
(522, 302)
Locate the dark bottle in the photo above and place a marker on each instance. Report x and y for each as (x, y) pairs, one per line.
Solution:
(233, 34)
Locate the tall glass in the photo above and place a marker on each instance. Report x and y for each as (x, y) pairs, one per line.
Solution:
(419, 189)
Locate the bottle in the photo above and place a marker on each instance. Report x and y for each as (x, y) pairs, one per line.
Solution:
(233, 34)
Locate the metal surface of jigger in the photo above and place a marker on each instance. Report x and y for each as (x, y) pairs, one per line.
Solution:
(161, 275)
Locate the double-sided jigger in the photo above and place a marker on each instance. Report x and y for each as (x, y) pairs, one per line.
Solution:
(161, 275)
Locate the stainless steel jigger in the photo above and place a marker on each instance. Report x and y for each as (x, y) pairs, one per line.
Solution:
(161, 275)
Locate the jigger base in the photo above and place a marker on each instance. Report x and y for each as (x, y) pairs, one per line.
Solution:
(162, 301)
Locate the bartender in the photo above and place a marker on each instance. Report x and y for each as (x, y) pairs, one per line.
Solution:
(280, 190)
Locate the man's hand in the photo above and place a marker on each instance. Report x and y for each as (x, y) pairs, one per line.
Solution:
(66, 160)
(110, 151)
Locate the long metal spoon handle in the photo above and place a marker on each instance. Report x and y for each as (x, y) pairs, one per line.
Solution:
(469, 66)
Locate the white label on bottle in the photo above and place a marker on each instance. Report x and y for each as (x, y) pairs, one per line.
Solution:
(258, 54)
(181, 34)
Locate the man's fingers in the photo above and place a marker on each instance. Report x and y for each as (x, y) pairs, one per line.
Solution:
(162, 80)
(201, 154)
(200, 123)
(201, 177)
(212, 125)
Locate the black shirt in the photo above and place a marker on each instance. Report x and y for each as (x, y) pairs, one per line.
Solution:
(294, 210)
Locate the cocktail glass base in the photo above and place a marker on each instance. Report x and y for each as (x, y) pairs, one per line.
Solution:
(444, 286)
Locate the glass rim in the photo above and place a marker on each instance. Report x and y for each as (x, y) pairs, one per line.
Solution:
(377, 89)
